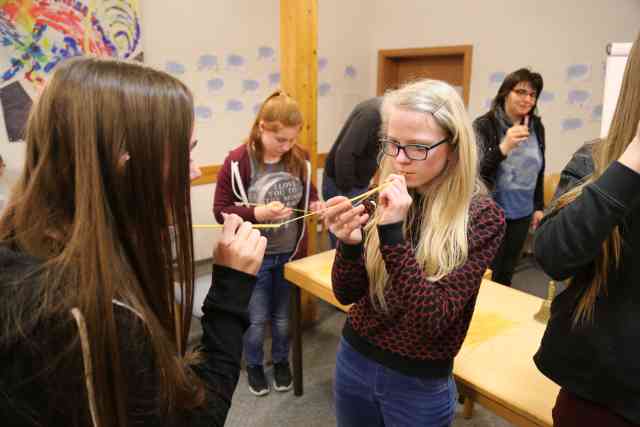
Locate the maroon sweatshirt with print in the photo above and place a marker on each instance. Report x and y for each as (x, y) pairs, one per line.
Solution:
(225, 201)
(426, 321)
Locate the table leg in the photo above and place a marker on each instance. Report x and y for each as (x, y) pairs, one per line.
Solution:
(467, 410)
(297, 342)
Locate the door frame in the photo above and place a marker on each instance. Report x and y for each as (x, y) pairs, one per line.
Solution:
(386, 57)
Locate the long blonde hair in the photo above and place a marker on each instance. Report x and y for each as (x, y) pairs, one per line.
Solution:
(442, 241)
(623, 129)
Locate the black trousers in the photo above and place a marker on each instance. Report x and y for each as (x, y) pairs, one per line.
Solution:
(509, 252)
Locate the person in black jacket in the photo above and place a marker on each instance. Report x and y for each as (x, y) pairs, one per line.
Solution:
(512, 141)
(94, 243)
(579, 167)
(352, 161)
(591, 345)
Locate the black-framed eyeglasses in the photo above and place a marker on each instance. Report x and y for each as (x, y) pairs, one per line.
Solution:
(412, 151)
(523, 92)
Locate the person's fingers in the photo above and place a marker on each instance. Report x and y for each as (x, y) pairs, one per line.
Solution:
(252, 239)
(334, 201)
(357, 222)
(230, 227)
(339, 223)
(396, 179)
(261, 246)
(338, 207)
(347, 217)
(243, 231)
(388, 194)
(518, 133)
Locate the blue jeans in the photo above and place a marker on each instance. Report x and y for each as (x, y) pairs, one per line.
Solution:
(269, 302)
(329, 190)
(368, 394)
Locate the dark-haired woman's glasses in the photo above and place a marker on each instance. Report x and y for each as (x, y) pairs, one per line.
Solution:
(412, 151)
(522, 93)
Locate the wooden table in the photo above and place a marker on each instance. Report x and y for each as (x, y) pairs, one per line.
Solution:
(494, 367)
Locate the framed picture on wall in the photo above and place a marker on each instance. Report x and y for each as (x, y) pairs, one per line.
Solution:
(36, 35)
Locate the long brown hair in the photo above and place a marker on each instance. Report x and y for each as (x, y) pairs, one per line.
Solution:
(106, 177)
(623, 128)
(278, 111)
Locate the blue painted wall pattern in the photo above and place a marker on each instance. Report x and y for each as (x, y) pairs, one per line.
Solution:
(250, 85)
(578, 97)
(350, 72)
(274, 79)
(234, 105)
(571, 123)
(578, 72)
(547, 96)
(324, 89)
(596, 113)
(208, 62)
(175, 68)
(203, 112)
(266, 52)
(214, 85)
(225, 76)
(235, 61)
(322, 63)
(496, 78)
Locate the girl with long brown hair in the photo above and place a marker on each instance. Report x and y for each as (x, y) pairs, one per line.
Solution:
(99, 225)
(592, 342)
(266, 180)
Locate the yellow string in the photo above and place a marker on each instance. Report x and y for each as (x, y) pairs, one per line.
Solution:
(361, 196)
(222, 225)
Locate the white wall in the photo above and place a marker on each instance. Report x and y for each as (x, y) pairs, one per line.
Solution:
(182, 33)
(177, 37)
(547, 35)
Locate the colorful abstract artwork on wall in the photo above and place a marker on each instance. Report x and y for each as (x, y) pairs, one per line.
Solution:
(36, 35)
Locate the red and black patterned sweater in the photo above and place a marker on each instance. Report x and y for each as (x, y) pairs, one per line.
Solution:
(425, 322)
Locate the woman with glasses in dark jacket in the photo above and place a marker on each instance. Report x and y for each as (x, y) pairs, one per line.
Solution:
(511, 138)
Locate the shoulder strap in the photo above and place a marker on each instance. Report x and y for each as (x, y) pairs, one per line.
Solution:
(88, 367)
(236, 181)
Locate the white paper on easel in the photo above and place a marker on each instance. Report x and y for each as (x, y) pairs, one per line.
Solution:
(617, 54)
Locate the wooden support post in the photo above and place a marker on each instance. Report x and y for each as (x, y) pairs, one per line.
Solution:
(299, 77)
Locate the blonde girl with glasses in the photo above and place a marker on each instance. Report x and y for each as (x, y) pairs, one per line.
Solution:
(411, 263)
(268, 180)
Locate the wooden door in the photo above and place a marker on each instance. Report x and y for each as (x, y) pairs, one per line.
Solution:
(451, 64)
